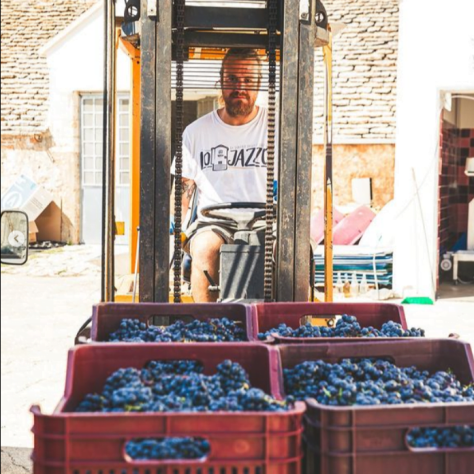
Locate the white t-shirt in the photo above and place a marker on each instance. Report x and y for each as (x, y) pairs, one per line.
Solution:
(228, 163)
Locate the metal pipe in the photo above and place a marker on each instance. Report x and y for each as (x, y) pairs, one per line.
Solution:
(104, 153)
(288, 138)
(108, 170)
(328, 178)
(161, 115)
(115, 34)
(135, 281)
(304, 155)
(134, 156)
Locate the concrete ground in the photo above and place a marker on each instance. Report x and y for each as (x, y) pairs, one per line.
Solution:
(42, 310)
(40, 317)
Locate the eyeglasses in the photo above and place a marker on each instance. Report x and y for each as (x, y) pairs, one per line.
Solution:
(249, 82)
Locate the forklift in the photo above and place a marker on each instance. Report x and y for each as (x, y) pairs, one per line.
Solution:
(174, 46)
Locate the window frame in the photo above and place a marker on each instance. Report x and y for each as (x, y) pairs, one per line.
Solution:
(96, 127)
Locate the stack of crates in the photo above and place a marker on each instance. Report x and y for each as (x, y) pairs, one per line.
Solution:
(240, 443)
(373, 439)
(334, 439)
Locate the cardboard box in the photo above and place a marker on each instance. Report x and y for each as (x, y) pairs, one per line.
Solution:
(33, 231)
(27, 196)
(49, 224)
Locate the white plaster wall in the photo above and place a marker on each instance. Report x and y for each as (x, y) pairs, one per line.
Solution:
(466, 112)
(436, 53)
(451, 116)
(75, 61)
(76, 65)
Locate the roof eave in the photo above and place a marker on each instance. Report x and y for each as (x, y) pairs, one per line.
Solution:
(59, 38)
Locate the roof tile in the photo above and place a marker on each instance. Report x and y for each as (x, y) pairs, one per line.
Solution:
(365, 73)
(365, 70)
(26, 26)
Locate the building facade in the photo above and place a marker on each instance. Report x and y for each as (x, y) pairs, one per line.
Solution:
(29, 146)
(55, 138)
(436, 65)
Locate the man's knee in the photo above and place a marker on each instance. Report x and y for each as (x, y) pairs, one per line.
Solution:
(206, 245)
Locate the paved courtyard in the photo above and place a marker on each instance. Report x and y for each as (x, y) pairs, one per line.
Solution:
(45, 303)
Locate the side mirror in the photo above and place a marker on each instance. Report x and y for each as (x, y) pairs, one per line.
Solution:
(14, 238)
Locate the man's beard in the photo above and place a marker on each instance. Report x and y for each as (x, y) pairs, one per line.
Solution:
(239, 108)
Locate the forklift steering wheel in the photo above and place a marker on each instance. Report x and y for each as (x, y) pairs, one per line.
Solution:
(244, 214)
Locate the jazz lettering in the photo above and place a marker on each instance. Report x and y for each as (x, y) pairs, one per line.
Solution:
(221, 158)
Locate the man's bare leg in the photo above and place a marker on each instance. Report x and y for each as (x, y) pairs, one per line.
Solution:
(205, 248)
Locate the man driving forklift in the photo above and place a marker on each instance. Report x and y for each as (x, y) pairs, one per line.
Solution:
(224, 160)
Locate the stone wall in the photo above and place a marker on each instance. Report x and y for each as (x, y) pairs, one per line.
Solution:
(28, 146)
(365, 56)
(26, 26)
(34, 156)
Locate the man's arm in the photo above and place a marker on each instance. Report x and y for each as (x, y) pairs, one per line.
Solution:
(189, 187)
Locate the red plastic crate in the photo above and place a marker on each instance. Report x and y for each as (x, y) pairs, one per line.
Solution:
(106, 317)
(253, 443)
(267, 316)
(372, 439)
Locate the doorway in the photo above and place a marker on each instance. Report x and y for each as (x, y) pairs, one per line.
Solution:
(456, 198)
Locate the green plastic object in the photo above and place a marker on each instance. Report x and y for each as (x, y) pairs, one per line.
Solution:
(417, 300)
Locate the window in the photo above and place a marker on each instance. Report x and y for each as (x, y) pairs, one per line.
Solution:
(91, 140)
(123, 149)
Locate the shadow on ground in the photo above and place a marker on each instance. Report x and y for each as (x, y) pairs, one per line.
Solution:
(460, 292)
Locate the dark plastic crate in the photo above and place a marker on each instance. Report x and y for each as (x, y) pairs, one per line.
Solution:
(242, 443)
(372, 439)
(106, 317)
(267, 316)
